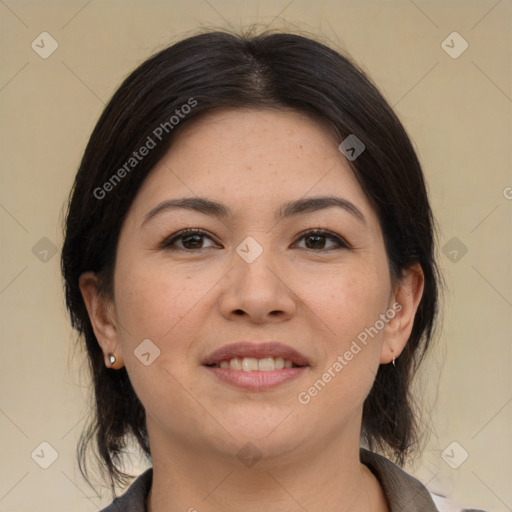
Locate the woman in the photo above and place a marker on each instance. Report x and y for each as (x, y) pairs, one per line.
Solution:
(249, 258)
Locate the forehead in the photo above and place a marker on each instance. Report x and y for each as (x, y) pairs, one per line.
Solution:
(257, 135)
(255, 158)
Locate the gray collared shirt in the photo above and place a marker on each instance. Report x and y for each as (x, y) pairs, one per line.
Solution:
(403, 492)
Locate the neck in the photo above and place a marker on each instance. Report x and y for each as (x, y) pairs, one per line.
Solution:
(188, 479)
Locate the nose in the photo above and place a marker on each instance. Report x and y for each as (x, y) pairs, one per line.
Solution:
(257, 292)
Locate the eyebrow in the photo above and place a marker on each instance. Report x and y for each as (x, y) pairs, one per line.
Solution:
(313, 204)
(290, 209)
(197, 204)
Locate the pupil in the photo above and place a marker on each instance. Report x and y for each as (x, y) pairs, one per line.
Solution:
(192, 241)
(315, 242)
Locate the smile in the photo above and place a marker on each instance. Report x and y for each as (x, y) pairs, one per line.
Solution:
(251, 364)
(256, 366)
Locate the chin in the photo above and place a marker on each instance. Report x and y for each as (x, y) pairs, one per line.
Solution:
(268, 437)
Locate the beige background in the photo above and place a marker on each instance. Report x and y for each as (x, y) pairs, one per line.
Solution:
(458, 112)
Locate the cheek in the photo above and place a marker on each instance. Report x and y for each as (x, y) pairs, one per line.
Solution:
(164, 305)
(348, 305)
(157, 301)
(346, 300)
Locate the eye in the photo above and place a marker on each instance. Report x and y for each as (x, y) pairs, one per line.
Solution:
(321, 239)
(189, 240)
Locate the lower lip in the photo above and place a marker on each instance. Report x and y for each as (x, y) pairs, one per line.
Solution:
(257, 380)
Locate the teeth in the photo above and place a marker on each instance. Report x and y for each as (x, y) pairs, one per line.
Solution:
(249, 364)
(235, 363)
(267, 363)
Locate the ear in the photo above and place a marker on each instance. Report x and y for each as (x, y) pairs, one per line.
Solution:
(404, 302)
(102, 317)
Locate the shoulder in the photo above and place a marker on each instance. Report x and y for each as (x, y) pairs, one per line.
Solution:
(403, 492)
(134, 498)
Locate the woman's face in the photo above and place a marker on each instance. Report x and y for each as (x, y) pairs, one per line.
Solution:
(285, 264)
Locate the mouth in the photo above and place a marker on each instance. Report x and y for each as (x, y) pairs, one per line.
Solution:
(252, 364)
(256, 367)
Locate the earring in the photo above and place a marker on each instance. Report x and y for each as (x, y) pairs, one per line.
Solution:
(112, 358)
(394, 362)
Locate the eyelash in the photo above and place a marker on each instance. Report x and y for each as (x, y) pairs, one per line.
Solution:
(340, 242)
(169, 242)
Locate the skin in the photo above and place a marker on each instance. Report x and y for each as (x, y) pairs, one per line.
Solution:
(190, 302)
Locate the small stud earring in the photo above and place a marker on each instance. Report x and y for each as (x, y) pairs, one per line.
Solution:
(112, 358)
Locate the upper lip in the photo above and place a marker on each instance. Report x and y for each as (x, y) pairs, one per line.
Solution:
(256, 350)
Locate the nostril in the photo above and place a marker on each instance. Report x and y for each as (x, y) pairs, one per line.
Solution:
(238, 312)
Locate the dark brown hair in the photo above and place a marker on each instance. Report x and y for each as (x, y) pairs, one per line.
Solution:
(271, 70)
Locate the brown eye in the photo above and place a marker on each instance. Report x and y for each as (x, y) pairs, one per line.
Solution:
(321, 240)
(315, 241)
(189, 240)
(192, 241)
